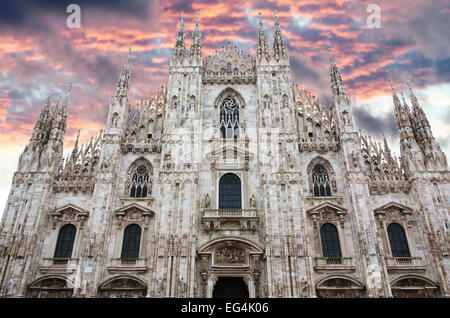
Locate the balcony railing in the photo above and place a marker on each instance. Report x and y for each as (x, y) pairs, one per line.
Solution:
(128, 264)
(230, 219)
(58, 265)
(405, 264)
(334, 264)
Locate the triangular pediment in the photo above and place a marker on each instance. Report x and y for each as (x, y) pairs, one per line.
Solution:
(327, 206)
(70, 207)
(394, 205)
(228, 152)
(134, 207)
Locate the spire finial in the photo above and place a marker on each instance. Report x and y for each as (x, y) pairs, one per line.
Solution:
(69, 91)
(409, 87)
(278, 43)
(337, 85)
(392, 86)
(262, 49)
(180, 45)
(76, 140)
(196, 45)
(129, 54)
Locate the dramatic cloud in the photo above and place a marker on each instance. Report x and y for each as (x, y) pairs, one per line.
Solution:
(39, 55)
(375, 125)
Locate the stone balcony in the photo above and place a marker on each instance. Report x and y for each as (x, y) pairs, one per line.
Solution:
(229, 219)
(338, 264)
(120, 265)
(400, 264)
(58, 265)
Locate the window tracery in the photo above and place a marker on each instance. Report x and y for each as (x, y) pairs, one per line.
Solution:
(320, 181)
(229, 118)
(139, 183)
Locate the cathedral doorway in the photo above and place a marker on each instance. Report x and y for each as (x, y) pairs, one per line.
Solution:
(230, 267)
(230, 287)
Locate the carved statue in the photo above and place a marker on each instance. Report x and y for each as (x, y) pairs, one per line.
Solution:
(290, 160)
(253, 201)
(168, 160)
(354, 158)
(206, 201)
(182, 286)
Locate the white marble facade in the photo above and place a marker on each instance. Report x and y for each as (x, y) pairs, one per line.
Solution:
(172, 145)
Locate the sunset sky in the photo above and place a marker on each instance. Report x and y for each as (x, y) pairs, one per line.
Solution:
(39, 55)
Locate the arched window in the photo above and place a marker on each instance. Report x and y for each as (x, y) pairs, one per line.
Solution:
(66, 239)
(397, 239)
(230, 192)
(229, 118)
(131, 241)
(330, 241)
(321, 181)
(139, 182)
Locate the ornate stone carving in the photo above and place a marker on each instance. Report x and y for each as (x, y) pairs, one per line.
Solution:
(133, 213)
(229, 255)
(123, 288)
(339, 288)
(412, 287)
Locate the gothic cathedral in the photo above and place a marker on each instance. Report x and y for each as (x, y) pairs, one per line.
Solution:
(228, 181)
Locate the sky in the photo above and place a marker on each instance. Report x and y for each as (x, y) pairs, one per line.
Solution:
(40, 55)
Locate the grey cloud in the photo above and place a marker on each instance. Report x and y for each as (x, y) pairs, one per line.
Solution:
(375, 125)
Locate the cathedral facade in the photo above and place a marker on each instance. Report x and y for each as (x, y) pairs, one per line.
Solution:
(228, 181)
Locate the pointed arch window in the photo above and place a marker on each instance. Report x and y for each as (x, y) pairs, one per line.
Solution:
(66, 240)
(321, 181)
(131, 241)
(330, 241)
(229, 118)
(230, 192)
(140, 182)
(397, 240)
